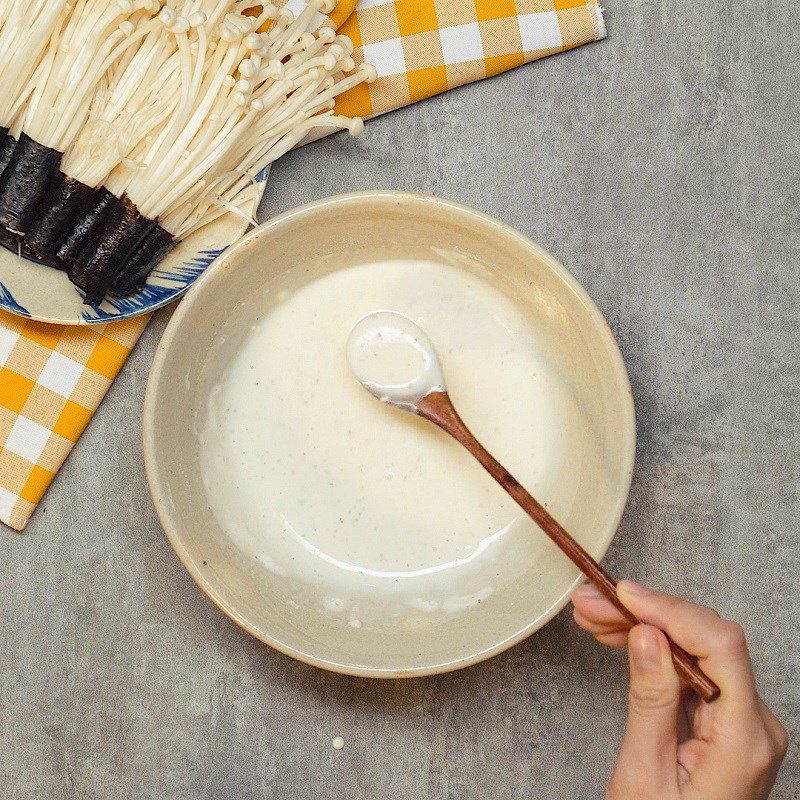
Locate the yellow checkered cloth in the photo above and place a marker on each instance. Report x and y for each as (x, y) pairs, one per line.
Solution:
(423, 47)
(52, 378)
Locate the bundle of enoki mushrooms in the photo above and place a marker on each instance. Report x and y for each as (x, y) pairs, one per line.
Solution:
(126, 125)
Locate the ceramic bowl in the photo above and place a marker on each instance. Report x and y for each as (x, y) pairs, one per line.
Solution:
(332, 234)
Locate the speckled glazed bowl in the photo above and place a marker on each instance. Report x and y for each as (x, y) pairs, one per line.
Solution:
(332, 234)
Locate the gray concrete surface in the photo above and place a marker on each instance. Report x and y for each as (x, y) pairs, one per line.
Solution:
(661, 166)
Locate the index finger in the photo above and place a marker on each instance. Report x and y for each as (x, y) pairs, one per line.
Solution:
(718, 644)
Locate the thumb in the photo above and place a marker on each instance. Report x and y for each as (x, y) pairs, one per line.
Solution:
(651, 735)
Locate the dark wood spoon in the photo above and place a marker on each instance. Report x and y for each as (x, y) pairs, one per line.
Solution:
(397, 363)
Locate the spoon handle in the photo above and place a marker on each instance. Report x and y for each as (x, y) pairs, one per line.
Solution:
(438, 408)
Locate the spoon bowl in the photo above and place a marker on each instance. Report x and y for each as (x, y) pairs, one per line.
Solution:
(393, 359)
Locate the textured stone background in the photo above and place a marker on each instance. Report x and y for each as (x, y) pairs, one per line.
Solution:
(661, 166)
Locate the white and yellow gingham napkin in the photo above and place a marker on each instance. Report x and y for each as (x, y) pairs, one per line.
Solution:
(52, 378)
(423, 47)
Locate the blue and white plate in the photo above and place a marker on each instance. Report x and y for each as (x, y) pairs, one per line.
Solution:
(42, 293)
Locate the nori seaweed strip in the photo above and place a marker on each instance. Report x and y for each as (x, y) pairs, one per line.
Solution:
(66, 200)
(142, 260)
(9, 240)
(24, 182)
(85, 226)
(104, 255)
(7, 145)
(16, 244)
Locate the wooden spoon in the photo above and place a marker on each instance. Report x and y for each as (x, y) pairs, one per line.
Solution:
(397, 363)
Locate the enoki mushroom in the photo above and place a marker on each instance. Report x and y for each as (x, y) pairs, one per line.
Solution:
(129, 124)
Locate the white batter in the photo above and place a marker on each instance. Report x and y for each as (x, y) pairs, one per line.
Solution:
(318, 482)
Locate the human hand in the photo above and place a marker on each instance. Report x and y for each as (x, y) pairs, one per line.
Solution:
(675, 746)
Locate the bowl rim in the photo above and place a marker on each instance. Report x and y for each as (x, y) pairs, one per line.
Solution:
(218, 268)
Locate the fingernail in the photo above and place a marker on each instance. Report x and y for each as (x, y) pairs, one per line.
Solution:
(635, 588)
(646, 649)
(588, 589)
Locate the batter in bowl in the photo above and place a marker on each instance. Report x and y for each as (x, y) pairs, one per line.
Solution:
(313, 479)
